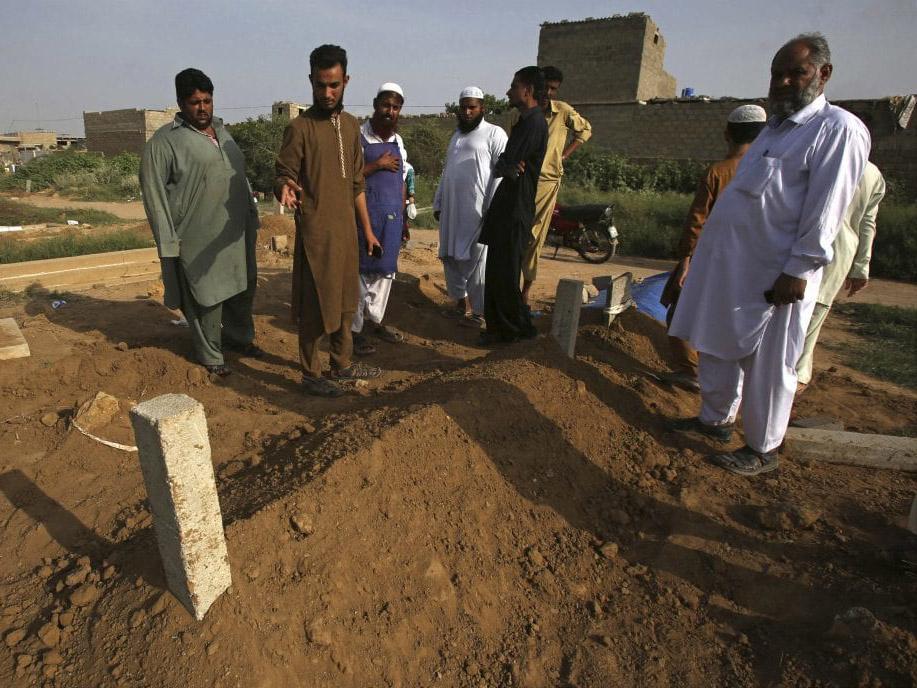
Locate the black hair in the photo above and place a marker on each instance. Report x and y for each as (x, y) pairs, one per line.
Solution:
(533, 77)
(327, 56)
(744, 132)
(187, 81)
(552, 73)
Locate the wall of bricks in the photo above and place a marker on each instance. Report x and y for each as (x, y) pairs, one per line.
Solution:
(693, 130)
(118, 131)
(607, 60)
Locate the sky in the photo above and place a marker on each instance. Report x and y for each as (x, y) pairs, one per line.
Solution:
(62, 58)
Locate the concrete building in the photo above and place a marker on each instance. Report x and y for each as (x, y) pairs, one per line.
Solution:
(22, 146)
(611, 60)
(119, 131)
(288, 109)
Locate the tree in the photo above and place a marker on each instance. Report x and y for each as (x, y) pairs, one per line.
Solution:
(260, 139)
(493, 105)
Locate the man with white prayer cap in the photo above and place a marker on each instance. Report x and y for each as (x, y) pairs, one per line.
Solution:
(384, 170)
(755, 275)
(464, 193)
(742, 127)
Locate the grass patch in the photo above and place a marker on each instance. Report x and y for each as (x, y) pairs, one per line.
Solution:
(15, 213)
(18, 251)
(888, 341)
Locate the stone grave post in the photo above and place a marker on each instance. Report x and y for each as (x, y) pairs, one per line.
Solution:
(565, 321)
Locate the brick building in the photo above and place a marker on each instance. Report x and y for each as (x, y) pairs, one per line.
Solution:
(119, 131)
(288, 109)
(616, 59)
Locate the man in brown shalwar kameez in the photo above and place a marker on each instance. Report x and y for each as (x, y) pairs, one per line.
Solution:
(320, 173)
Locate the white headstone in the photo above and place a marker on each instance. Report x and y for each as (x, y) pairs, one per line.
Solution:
(171, 436)
(565, 320)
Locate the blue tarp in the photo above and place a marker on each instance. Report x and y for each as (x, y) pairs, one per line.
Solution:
(646, 295)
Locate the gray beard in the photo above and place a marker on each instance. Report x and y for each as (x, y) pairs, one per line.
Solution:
(788, 106)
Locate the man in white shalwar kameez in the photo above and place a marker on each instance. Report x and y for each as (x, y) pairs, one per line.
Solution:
(749, 296)
(462, 198)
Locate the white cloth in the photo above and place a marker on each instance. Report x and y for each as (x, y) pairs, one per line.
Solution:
(466, 277)
(804, 365)
(366, 129)
(853, 245)
(779, 214)
(374, 294)
(767, 378)
(466, 188)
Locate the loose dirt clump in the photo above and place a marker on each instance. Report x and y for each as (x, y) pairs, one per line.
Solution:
(472, 518)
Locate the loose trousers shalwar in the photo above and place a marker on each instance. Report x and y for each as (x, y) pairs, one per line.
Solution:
(375, 291)
(763, 383)
(466, 277)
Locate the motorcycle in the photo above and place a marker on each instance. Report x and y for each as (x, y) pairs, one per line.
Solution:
(587, 229)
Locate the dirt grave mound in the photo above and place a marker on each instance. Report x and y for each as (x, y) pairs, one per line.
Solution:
(522, 521)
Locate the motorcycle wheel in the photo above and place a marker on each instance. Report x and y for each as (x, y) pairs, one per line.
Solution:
(594, 246)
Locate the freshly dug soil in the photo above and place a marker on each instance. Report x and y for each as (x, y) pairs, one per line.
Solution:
(472, 518)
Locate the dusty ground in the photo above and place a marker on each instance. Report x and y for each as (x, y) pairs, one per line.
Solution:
(481, 518)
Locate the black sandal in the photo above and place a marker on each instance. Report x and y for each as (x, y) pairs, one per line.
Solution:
(746, 461)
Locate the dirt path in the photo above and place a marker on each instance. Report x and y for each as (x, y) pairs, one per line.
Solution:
(132, 210)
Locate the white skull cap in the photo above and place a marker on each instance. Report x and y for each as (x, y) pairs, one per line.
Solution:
(472, 92)
(390, 87)
(746, 114)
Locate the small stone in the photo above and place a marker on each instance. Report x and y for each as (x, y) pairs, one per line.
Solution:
(580, 388)
(49, 419)
(49, 634)
(14, 637)
(317, 634)
(109, 572)
(76, 577)
(44, 572)
(84, 595)
(23, 660)
(669, 475)
(196, 376)
(308, 428)
(122, 346)
(97, 412)
(535, 557)
(49, 671)
(66, 619)
(605, 640)
(609, 550)
(52, 658)
(137, 618)
(595, 609)
(212, 648)
(294, 435)
(159, 606)
(302, 523)
(691, 599)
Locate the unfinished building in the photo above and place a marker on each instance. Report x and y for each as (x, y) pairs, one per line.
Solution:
(287, 109)
(119, 131)
(610, 60)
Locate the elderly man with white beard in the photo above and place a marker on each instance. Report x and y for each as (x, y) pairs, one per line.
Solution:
(749, 296)
(461, 200)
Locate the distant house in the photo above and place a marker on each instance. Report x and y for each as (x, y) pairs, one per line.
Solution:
(119, 131)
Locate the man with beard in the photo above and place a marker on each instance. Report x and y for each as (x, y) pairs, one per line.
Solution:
(320, 174)
(385, 173)
(462, 198)
(563, 122)
(204, 219)
(507, 226)
(755, 274)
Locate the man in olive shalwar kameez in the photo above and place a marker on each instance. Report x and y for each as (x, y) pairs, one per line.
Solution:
(320, 173)
(204, 219)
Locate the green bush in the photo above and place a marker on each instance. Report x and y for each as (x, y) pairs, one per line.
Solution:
(13, 251)
(426, 143)
(260, 139)
(87, 176)
(894, 252)
(604, 171)
(41, 171)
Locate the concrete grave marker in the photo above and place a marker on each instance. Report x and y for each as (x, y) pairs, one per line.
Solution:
(12, 343)
(171, 435)
(618, 297)
(565, 321)
(858, 449)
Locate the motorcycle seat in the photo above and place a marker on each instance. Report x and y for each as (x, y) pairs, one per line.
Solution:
(584, 213)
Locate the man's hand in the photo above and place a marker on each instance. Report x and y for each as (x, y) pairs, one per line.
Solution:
(788, 289)
(681, 271)
(854, 284)
(387, 161)
(289, 194)
(371, 243)
(436, 215)
(520, 168)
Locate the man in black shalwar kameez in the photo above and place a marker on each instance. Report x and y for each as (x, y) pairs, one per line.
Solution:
(507, 226)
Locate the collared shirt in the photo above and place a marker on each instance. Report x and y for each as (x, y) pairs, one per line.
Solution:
(366, 130)
(780, 214)
(562, 120)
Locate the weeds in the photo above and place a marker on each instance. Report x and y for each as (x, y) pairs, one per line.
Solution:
(887, 341)
(15, 213)
(17, 251)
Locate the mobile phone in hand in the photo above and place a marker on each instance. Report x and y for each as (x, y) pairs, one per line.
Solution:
(769, 296)
(377, 251)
